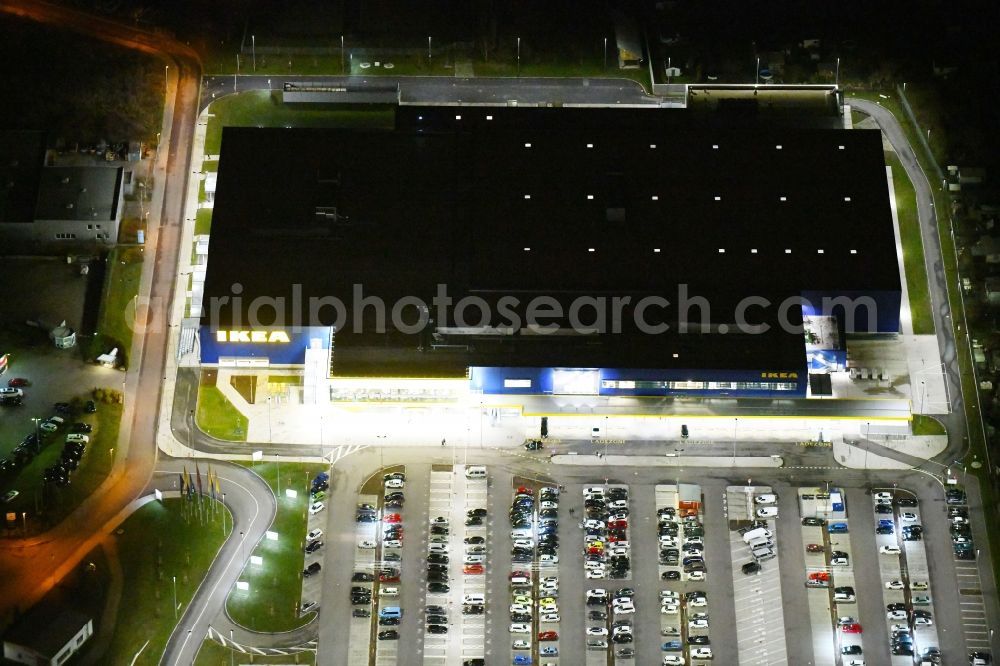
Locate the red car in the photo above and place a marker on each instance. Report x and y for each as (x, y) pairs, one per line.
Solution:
(815, 548)
(392, 518)
(618, 525)
(524, 491)
(614, 538)
(819, 575)
(18, 382)
(388, 578)
(851, 628)
(473, 569)
(594, 550)
(548, 636)
(520, 574)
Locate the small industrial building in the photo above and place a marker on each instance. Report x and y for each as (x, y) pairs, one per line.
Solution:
(48, 635)
(549, 251)
(51, 206)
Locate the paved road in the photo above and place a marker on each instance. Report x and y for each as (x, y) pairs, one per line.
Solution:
(450, 90)
(29, 568)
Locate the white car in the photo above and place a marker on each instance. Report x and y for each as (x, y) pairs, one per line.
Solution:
(696, 575)
(548, 559)
(667, 540)
(618, 504)
(474, 559)
(908, 517)
(596, 574)
(669, 594)
(846, 619)
(767, 512)
(894, 585)
(394, 483)
(549, 490)
(698, 602)
(673, 660)
(593, 490)
(701, 653)
(549, 617)
(919, 585)
(548, 504)
(524, 543)
(316, 507)
(593, 564)
(388, 591)
(367, 544)
(550, 588)
(520, 628)
(597, 631)
(520, 608)
(440, 520)
(694, 540)
(618, 550)
(669, 609)
(475, 550)
(882, 496)
(520, 644)
(548, 609)
(855, 662)
(315, 534)
(593, 524)
(922, 622)
(393, 543)
(766, 499)
(896, 615)
(698, 624)
(889, 550)
(623, 609)
(839, 561)
(598, 592)
(545, 580)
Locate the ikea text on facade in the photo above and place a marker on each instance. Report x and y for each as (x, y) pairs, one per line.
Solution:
(252, 336)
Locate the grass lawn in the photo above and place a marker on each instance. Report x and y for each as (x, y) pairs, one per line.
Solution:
(913, 247)
(203, 221)
(276, 586)
(160, 542)
(114, 323)
(213, 654)
(264, 109)
(46, 506)
(927, 425)
(216, 416)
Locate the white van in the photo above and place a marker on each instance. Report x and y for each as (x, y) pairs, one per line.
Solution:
(762, 553)
(767, 512)
(75, 437)
(474, 599)
(757, 543)
(475, 472)
(388, 591)
(759, 533)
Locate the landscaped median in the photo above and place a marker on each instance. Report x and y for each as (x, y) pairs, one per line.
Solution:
(117, 314)
(271, 602)
(165, 548)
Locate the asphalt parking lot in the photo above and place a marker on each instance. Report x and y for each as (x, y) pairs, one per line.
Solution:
(766, 617)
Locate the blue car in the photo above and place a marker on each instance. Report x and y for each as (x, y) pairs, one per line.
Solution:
(886, 522)
(549, 651)
(522, 660)
(837, 528)
(672, 646)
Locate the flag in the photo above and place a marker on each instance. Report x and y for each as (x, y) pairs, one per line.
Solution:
(198, 472)
(218, 487)
(182, 484)
(211, 484)
(188, 484)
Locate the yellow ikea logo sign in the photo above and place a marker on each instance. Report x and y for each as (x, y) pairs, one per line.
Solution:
(252, 336)
(779, 375)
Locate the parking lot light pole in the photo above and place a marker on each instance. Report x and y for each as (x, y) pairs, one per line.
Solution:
(38, 436)
(175, 597)
(253, 50)
(223, 515)
(519, 56)
(341, 54)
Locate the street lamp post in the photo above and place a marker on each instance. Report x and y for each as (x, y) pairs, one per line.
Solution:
(175, 597)
(428, 48)
(341, 54)
(736, 423)
(166, 80)
(253, 50)
(837, 75)
(38, 436)
(756, 72)
(519, 56)
(237, 71)
(605, 53)
(223, 515)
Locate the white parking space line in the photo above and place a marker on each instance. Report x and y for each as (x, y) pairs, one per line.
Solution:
(360, 634)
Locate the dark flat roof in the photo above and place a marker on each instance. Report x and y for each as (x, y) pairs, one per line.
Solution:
(47, 628)
(82, 193)
(465, 202)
